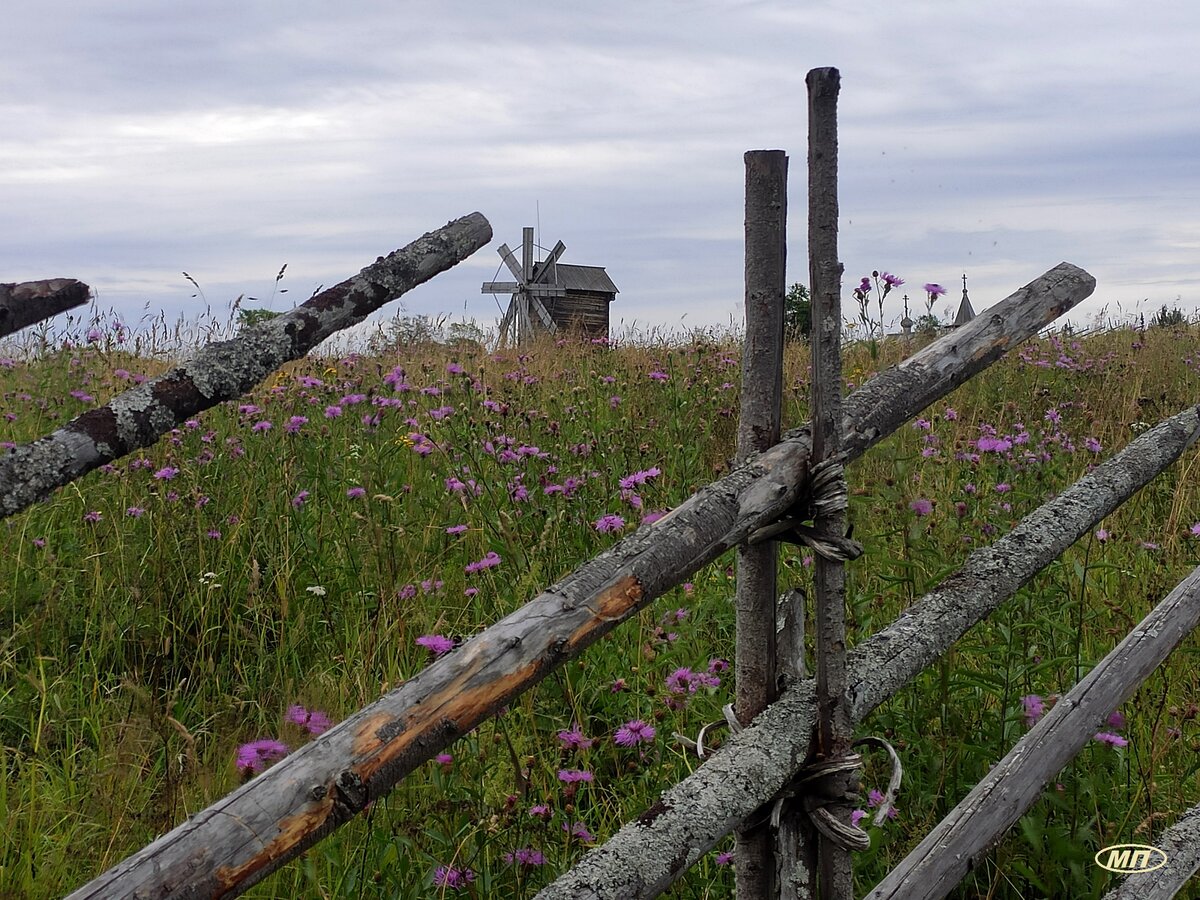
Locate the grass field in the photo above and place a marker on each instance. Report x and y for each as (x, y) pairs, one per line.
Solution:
(279, 562)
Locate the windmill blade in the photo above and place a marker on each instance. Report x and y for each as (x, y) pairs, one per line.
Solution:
(511, 261)
(524, 325)
(507, 321)
(546, 266)
(542, 312)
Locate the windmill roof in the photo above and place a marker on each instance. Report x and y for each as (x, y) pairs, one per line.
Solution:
(579, 278)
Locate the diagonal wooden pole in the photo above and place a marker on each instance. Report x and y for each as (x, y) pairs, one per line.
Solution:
(834, 728)
(758, 430)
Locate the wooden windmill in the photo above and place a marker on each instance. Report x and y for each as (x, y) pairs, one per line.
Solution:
(551, 297)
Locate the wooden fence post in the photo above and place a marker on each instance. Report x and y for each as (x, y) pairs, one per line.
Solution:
(825, 272)
(758, 430)
(649, 853)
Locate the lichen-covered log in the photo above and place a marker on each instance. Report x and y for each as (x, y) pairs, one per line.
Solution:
(936, 865)
(31, 301)
(648, 854)
(1181, 843)
(273, 818)
(226, 369)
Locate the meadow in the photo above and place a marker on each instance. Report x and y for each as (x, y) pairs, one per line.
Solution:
(183, 618)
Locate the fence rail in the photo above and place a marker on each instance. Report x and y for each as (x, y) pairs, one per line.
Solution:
(276, 816)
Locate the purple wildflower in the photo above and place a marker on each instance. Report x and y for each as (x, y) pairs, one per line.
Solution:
(609, 523)
(574, 776)
(921, 507)
(633, 733)
(1034, 708)
(1108, 737)
(437, 644)
(450, 877)
(257, 755)
(356, 493)
(574, 739)
(166, 473)
(314, 721)
(725, 857)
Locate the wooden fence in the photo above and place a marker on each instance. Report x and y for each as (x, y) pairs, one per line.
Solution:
(276, 816)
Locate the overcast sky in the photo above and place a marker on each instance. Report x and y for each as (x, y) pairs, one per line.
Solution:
(142, 139)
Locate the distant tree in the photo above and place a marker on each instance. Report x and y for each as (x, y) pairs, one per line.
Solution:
(248, 318)
(927, 323)
(797, 313)
(1168, 318)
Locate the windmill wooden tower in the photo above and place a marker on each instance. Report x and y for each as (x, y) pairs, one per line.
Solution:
(550, 296)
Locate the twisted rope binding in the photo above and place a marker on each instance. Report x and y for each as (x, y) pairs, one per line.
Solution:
(827, 494)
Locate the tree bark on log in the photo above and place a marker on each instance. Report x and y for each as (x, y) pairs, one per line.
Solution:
(758, 430)
(232, 844)
(936, 865)
(227, 369)
(1181, 843)
(829, 576)
(650, 853)
(24, 304)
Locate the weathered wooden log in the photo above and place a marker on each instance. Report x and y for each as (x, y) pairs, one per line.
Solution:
(936, 865)
(28, 302)
(1181, 843)
(648, 854)
(226, 369)
(758, 430)
(834, 730)
(276, 816)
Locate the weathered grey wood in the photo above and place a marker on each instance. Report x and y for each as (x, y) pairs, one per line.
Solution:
(795, 841)
(510, 260)
(540, 309)
(28, 302)
(829, 577)
(758, 430)
(1181, 843)
(279, 814)
(547, 264)
(226, 369)
(534, 290)
(650, 853)
(959, 843)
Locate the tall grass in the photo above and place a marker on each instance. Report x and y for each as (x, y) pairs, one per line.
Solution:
(289, 551)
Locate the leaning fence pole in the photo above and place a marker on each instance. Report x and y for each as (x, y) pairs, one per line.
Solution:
(1181, 843)
(31, 301)
(936, 865)
(651, 852)
(758, 430)
(273, 818)
(224, 370)
(829, 578)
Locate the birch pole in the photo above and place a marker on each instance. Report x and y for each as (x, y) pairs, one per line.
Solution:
(829, 578)
(758, 430)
